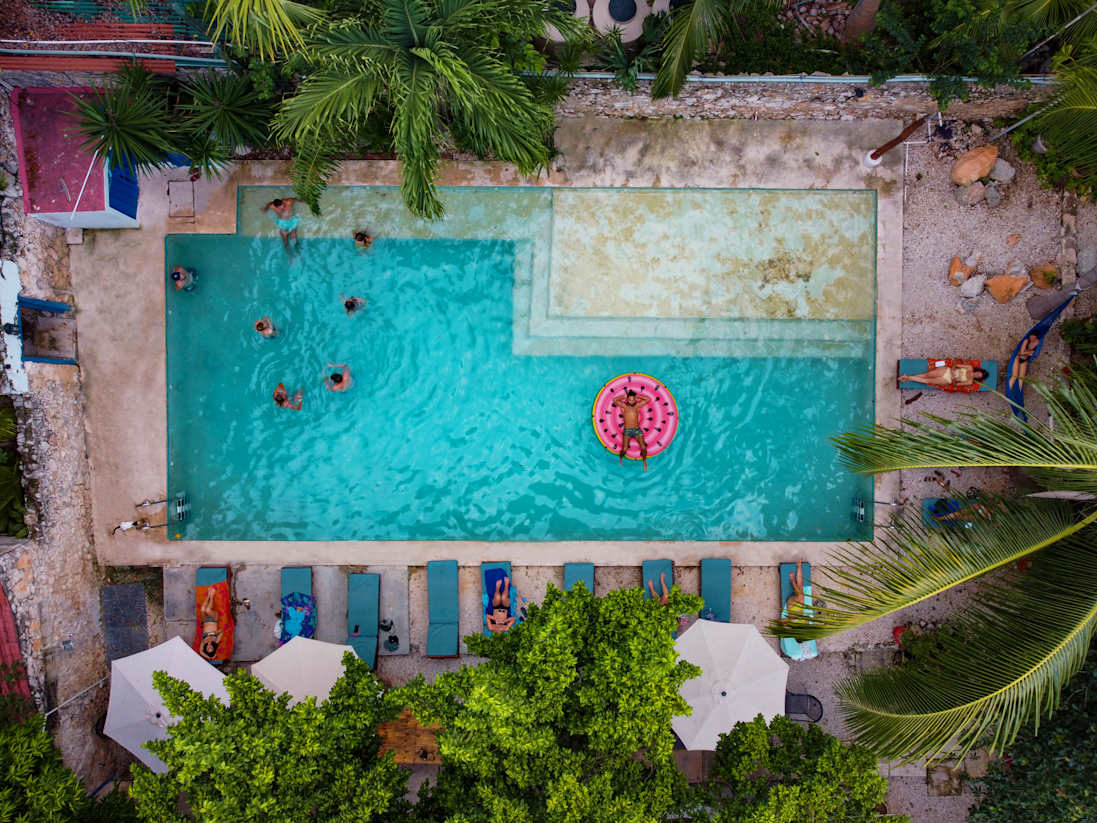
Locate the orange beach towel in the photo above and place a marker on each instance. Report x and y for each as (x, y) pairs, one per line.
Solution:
(222, 604)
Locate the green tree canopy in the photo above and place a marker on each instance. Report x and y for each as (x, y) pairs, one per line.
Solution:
(567, 720)
(260, 760)
(34, 783)
(789, 773)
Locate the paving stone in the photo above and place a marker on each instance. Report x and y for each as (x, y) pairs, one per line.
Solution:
(180, 199)
(261, 587)
(394, 608)
(179, 593)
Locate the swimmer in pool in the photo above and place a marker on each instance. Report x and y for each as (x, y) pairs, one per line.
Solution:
(282, 399)
(285, 219)
(265, 327)
(630, 404)
(363, 239)
(352, 304)
(340, 380)
(184, 279)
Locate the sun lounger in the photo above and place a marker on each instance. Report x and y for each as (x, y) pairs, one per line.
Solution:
(579, 573)
(442, 607)
(363, 610)
(489, 574)
(716, 588)
(803, 705)
(918, 366)
(218, 578)
(298, 604)
(650, 571)
(790, 646)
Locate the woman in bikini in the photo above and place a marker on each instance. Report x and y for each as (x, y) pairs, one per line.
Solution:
(499, 618)
(961, 374)
(211, 631)
(1020, 364)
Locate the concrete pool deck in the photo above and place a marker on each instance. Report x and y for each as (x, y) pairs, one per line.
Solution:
(118, 281)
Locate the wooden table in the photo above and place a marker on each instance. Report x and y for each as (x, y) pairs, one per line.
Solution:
(413, 744)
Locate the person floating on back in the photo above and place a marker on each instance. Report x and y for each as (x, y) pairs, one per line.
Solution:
(184, 279)
(352, 304)
(265, 327)
(630, 404)
(340, 380)
(363, 239)
(285, 219)
(282, 399)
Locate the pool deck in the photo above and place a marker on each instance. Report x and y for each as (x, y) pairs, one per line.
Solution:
(118, 280)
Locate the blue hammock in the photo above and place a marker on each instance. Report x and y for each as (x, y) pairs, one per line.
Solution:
(1015, 390)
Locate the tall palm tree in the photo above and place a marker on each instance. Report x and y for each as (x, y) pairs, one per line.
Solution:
(1027, 634)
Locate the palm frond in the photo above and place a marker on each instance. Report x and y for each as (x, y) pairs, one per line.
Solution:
(1058, 13)
(350, 43)
(914, 562)
(132, 129)
(207, 156)
(1025, 641)
(1069, 125)
(416, 132)
(227, 108)
(1061, 457)
(268, 27)
(314, 163)
(327, 103)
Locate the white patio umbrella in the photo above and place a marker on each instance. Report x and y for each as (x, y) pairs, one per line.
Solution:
(741, 677)
(136, 712)
(303, 667)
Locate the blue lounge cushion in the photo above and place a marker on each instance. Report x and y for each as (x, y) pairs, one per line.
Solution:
(363, 613)
(442, 640)
(443, 608)
(716, 588)
(650, 571)
(790, 646)
(490, 572)
(208, 577)
(579, 573)
(297, 579)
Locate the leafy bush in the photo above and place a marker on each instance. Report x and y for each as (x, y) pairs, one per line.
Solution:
(788, 772)
(1080, 335)
(1048, 772)
(12, 506)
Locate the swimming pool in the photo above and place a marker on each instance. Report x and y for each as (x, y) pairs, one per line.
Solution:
(475, 363)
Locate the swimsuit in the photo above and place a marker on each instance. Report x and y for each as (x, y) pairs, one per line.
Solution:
(286, 224)
(633, 431)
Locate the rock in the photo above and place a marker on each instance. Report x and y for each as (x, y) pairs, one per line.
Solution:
(1013, 240)
(975, 192)
(974, 164)
(1038, 145)
(973, 286)
(960, 270)
(1087, 259)
(1017, 269)
(1002, 171)
(1005, 287)
(993, 196)
(959, 194)
(1044, 277)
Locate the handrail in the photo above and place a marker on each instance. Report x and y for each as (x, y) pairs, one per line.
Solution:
(134, 55)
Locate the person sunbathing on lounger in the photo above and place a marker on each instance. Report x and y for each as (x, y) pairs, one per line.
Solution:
(211, 627)
(630, 404)
(1020, 362)
(664, 599)
(499, 619)
(796, 606)
(959, 375)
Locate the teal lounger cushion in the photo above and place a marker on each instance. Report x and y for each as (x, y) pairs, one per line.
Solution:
(363, 609)
(579, 573)
(920, 365)
(716, 588)
(207, 577)
(651, 570)
(790, 646)
(297, 579)
(442, 608)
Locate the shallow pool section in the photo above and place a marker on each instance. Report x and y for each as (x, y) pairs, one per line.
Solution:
(467, 419)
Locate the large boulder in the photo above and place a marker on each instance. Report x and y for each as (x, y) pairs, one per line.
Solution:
(960, 270)
(1005, 287)
(1002, 171)
(973, 286)
(974, 164)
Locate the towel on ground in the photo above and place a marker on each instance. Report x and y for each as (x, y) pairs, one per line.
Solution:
(222, 604)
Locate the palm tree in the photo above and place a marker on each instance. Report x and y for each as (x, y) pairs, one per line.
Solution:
(1069, 125)
(695, 27)
(1027, 634)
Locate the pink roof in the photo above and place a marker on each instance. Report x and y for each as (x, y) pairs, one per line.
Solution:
(50, 152)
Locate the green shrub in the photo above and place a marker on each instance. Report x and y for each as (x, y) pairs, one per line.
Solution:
(1080, 335)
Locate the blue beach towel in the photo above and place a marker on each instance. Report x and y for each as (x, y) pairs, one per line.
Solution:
(790, 646)
(492, 578)
(490, 573)
(298, 616)
(1015, 392)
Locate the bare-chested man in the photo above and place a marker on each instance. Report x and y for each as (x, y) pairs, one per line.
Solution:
(285, 219)
(630, 404)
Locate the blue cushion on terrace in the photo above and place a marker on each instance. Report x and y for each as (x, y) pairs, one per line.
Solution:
(651, 570)
(579, 573)
(443, 608)
(297, 579)
(363, 611)
(716, 588)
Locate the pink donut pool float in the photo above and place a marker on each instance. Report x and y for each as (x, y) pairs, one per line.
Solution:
(658, 418)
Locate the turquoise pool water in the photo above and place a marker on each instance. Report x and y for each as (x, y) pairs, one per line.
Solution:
(448, 434)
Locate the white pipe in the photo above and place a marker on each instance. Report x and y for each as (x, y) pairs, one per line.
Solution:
(78, 694)
(76, 205)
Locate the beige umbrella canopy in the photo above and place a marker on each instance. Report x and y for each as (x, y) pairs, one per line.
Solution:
(741, 677)
(136, 713)
(303, 667)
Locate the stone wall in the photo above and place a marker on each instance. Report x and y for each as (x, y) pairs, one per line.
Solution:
(792, 101)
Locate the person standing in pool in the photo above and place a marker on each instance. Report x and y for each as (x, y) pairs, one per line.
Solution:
(352, 304)
(265, 327)
(630, 404)
(282, 399)
(184, 279)
(363, 239)
(285, 219)
(340, 380)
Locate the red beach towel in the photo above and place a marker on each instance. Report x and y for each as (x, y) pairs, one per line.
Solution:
(222, 604)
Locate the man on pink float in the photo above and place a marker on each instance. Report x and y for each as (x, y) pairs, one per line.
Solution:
(630, 404)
